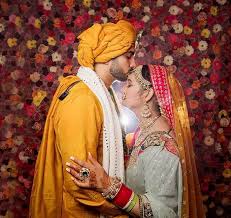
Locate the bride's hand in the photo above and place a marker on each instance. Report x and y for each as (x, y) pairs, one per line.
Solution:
(88, 174)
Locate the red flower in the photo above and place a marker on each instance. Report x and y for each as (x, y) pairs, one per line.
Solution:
(214, 78)
(69, 38)
(213, 39)
(49, 77)
(170, 19)
(188, 91)
(217, 64)
(137, 24)
(79, 21)
(173, 38)
(30, 109)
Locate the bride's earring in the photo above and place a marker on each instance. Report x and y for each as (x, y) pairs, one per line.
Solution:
(123, 96)
(146, 111)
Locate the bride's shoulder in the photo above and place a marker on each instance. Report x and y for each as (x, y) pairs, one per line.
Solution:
(163, 139)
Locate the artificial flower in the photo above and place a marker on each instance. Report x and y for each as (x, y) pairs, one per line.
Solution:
(197, 6)
(38, 97)
(189, 50)
(47, 5)
(221, 2)
(178, 28)
(210, 94)
(146, 18)
(193, 104)
(205, 33)
(208, 140)
(91, 12)
(31, 44)
(187, 30)
(174, 10)
(56, 57)
(12, 42)
(2, 27)
(217, 28)
(37, 24)
(146, 9)
(202, 45)
(2, 59)
(168, 60)
(51, 41)
(126, 9)
(87, 3)
(214, 10)
(159, 3)
(206, 63)
(35, 77)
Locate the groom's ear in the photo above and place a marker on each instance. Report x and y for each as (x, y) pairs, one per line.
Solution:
(149, 94)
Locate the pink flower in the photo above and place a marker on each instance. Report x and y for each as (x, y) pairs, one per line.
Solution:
(12, 18)
(79, 21)
(188, 91)
(112, 12)
(137, 24)
(31, 20)
(217, 64)
(214, 78)
(49, 77)
(69, 38)
(173, 38)
(30, 109)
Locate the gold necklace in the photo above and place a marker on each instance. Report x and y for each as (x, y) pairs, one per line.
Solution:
(145, 129)
(148, 122)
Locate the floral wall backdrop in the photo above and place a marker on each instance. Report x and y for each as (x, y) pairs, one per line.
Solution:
(38, 47)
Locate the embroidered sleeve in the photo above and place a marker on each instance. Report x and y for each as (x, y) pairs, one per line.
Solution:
(145, 207)
(171, 145)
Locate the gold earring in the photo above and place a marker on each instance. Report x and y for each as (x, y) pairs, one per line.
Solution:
(146, 111)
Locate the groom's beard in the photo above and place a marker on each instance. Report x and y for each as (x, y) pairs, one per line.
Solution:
(117, 72)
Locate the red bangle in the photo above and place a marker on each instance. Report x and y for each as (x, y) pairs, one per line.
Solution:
(123, 196)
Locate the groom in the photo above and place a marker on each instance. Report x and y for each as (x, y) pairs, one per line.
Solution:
(83, 117)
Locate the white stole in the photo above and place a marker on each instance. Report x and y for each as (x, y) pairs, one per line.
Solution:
(113, 156)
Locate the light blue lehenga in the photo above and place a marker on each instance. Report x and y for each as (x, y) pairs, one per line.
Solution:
(154, 172)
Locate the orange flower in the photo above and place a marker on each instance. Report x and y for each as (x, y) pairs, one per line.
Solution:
(157, 54)
(39, 58)
(15, 98)
(202, 23)
(193, 104)
(57, 23)
(68, 69)
(136, 4)
(208, 122)
(4, 6)
(69, 3)
(120, 15)
(156, 31)
(10, 143)
(196, 84)
(217, 49)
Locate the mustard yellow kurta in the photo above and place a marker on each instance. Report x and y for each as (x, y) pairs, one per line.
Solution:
(73, 128)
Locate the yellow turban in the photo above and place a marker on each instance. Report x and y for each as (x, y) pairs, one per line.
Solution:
(102, 42)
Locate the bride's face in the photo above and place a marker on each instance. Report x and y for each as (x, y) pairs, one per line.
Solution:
(132, 93)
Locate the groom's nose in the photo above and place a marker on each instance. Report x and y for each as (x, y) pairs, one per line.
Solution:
(132, 62)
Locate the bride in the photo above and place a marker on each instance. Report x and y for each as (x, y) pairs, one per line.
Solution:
(155, 185)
